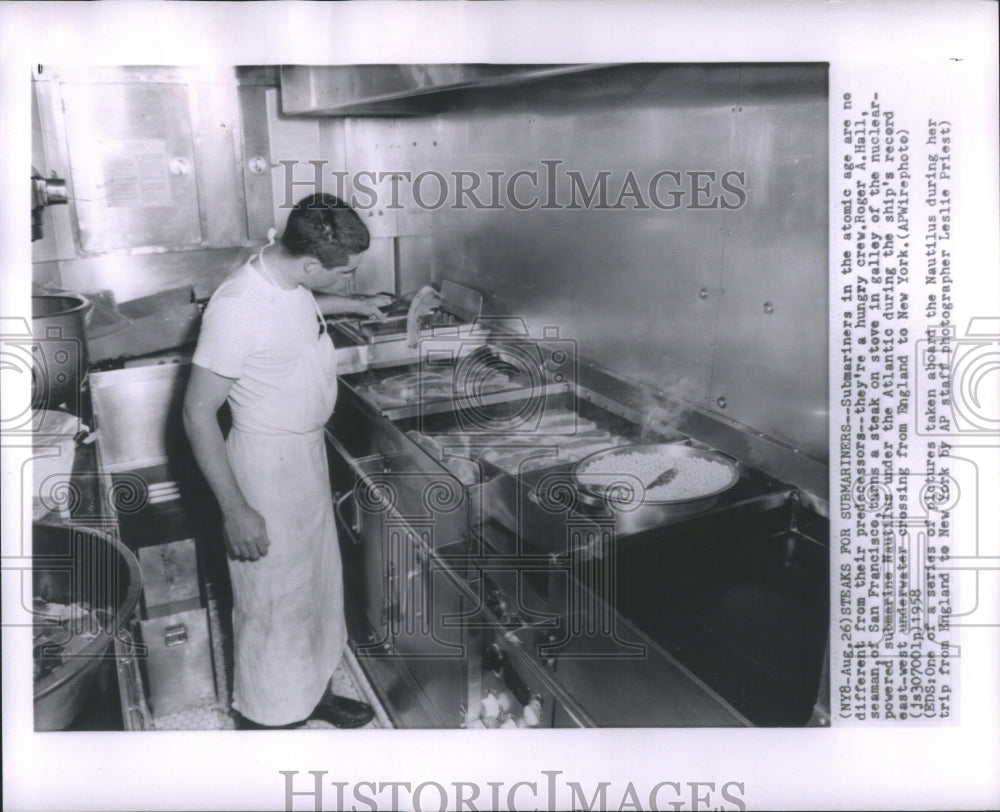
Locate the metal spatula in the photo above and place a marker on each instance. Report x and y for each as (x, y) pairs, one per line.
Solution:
(663, 479)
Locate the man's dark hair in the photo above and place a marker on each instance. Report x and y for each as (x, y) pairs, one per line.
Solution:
(325, 227)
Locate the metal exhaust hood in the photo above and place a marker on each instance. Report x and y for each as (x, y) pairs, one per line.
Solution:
(397, 89)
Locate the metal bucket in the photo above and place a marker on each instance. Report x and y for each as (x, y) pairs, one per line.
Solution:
(60, 351)
(75, 565)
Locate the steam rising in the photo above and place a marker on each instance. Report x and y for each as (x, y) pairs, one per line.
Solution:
(663, 410)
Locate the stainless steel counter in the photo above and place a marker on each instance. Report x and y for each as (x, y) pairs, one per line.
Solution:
(434, 565)
(431, 589)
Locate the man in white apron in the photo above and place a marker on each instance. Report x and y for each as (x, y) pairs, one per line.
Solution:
(263, 349)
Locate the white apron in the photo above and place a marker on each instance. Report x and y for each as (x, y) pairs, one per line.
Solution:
(288, 613)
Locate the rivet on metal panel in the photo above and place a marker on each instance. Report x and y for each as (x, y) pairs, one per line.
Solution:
(703, 293)
(721, 402)
(768, 307)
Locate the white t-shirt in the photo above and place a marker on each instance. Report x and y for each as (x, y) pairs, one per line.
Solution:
(254, 332)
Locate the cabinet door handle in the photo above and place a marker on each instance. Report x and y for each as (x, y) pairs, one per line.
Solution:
(175, 635)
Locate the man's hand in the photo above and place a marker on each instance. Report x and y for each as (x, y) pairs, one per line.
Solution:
(382, 299)
(245, 533)
(371, 306)
(367, 306)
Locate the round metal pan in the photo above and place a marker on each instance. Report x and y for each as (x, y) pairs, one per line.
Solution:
(627, 500)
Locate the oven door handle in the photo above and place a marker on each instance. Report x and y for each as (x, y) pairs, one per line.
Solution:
(353, 530)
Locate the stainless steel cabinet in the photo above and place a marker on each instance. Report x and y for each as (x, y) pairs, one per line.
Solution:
(393, 511)
(429, 637)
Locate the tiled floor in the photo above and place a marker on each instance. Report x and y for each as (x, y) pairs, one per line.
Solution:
(347, 680)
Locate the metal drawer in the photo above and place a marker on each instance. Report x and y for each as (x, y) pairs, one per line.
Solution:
(179, 670)
(170, 578)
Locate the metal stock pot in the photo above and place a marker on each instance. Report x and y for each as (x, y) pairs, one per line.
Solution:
(60, 354)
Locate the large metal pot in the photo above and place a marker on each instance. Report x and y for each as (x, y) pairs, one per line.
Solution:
(626, 501)
(60, 351)
(75, 565)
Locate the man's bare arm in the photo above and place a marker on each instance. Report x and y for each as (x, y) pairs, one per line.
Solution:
(334, 305)
(245, 529)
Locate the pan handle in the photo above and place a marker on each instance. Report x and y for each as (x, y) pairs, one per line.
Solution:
(726, 456)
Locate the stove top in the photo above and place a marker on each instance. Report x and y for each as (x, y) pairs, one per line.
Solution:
(370, 331)
(456, 306)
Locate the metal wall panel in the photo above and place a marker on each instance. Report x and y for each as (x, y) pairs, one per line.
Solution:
(770, 367)
(216, 121)
(256, 158)
(133, 164)
(669, 297)
(370, 147)
(290, 140)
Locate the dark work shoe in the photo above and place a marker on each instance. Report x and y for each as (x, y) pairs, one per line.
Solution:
(340, 711)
